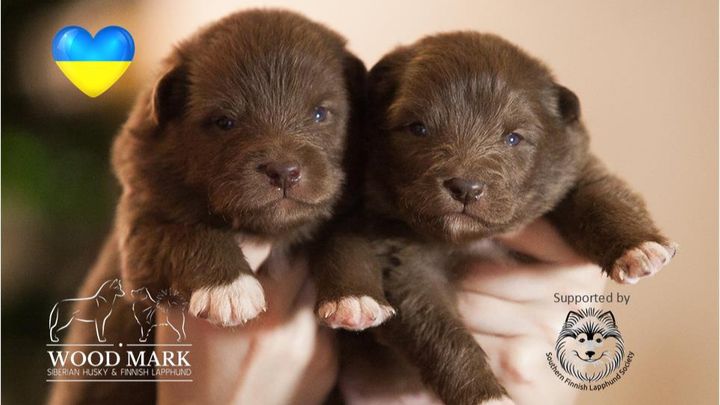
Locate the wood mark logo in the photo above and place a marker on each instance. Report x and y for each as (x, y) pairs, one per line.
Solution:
(97, 352)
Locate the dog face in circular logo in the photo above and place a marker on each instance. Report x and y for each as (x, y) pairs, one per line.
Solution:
(590, 346)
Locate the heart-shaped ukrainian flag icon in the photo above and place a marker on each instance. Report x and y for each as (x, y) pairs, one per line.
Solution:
(93, 65)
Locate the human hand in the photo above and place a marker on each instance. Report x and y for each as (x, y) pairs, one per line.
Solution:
(511, 313)
(282, 357)
(509, 309)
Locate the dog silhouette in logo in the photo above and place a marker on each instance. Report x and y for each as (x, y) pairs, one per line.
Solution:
(590, 346)
(96, 309)
(167, 309)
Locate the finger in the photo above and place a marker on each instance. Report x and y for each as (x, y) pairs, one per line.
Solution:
(497, 317)
(541, 240)
(320, 375)
(281, 355)
(521, 300)
(521, 367)
(527, 283)
(283, 279)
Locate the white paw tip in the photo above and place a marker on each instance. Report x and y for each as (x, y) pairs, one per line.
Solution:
(354, 313)
(229, 304)
(645, 260)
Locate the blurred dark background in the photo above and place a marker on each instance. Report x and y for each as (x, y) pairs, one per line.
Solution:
(57, 204)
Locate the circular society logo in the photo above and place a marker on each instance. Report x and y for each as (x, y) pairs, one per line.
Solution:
(590, 350)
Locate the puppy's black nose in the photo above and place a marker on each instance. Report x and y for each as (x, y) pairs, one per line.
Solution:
(282, 175)
(589, 354)
(464, 190)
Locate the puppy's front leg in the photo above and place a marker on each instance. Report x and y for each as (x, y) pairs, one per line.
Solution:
(349, 283)
(608, 223)
(198, 261)
(429, 333)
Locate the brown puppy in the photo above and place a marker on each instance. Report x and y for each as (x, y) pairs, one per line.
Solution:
(243, 134)
(469, 138)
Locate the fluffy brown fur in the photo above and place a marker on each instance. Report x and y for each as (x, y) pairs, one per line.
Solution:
(245, 132)
(469, 137)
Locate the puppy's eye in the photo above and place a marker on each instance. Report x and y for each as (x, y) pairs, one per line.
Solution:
(417, 129)
(598, 340)
(320, 114)
(582, 340)
(225, 123)
(513, 139)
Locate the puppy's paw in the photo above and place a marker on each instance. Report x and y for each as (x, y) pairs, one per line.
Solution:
(354, 313)
(230, 304)
(643, 261)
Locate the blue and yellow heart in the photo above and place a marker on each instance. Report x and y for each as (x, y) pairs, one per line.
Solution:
(93, 65)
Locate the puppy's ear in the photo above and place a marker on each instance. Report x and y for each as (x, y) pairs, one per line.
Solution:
(384, 79)
(355, 75)
(568, 104)
(169, 96)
